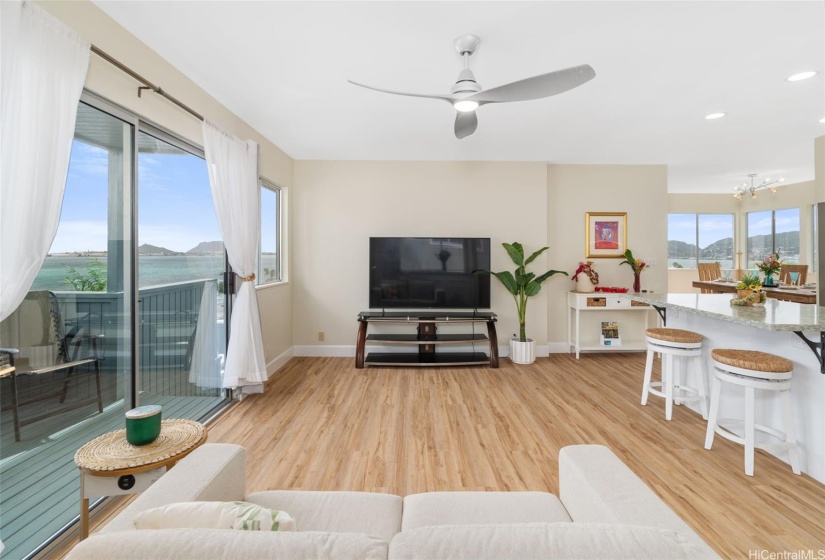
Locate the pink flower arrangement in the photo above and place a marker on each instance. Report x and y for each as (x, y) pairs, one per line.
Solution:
(770, 264)
(587, 268)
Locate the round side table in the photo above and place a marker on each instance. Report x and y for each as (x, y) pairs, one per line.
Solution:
(111, 466)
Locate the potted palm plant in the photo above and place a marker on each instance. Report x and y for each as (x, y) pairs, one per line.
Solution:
(521, 285)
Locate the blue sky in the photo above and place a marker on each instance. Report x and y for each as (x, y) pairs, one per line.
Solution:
(175, 204)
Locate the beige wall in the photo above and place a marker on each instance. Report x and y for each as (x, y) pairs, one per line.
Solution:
(112, 84)
(798, 195)
(573, 190)
(338, 205)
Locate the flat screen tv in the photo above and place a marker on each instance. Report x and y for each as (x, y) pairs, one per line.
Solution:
(429, 272)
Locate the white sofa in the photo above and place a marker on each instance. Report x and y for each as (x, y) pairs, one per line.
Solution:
(603, 511)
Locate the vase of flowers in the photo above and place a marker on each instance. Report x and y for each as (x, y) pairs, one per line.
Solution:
(637, 265)
(586, 277)
(769, 266)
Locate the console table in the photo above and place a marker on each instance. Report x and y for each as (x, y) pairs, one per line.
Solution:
(609, 303)
(426, 339)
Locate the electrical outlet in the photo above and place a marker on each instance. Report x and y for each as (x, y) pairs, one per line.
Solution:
(320, 336)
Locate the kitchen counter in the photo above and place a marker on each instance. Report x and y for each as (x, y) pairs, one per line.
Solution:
(773, 315)
(776, 328)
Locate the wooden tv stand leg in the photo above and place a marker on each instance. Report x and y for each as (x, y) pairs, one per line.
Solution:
(491, 334)
(360, 343)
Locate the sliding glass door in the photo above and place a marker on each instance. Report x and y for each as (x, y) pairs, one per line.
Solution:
(133, 287)
(79, 308)
(182, 264)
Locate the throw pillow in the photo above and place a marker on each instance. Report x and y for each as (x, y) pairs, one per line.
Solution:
(215, 515)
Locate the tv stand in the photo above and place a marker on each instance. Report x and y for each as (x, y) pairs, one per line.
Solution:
(426, 339)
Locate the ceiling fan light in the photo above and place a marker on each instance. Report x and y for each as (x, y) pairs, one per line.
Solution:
(465, 106)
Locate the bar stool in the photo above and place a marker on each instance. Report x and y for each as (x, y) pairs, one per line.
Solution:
(683, 346)
(752, 370)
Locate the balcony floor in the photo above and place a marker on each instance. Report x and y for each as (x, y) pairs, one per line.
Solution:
(40, 469)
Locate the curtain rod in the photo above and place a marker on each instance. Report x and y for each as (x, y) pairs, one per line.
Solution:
(146, 83)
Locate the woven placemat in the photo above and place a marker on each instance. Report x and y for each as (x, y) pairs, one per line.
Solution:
(111, 452)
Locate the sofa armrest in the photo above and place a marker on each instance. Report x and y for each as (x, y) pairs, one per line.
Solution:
(595, 486)
(214, 472)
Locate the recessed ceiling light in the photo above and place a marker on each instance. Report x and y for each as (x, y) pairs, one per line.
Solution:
(822, 120)
(715, 116)
(801, 76)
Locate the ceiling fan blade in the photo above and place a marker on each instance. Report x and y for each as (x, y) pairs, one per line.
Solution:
(538, 87)
(465, 124)
(449, 98)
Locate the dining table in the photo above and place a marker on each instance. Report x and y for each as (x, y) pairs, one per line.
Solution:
(799, 294)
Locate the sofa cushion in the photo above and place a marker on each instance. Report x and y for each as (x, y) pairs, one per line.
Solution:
(343, 512)
(477, 508)
(177, 544)
(242, 516)
(212, 472)
(582, 541)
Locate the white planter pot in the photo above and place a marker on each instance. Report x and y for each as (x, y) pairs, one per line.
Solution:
(584, 285)
(522, 352)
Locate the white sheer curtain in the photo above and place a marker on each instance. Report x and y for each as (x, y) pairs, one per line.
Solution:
(233, 174)
(205, 370)
(43, 66)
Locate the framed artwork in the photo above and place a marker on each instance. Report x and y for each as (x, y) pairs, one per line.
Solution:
(605, 235)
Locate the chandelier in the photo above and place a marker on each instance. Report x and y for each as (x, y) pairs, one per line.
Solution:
(745, 188)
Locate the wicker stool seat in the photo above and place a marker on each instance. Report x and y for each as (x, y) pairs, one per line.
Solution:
(752, 370)
(675, 346)
(674, 335)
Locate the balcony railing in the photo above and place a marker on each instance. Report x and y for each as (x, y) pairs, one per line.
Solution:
(168, 317)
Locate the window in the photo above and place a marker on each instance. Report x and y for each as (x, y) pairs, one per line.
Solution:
(695, 238)
(269, 263)
(773, 231)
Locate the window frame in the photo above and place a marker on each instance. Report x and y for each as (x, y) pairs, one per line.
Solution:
(773, 212)
(278, 191)
(696, 216)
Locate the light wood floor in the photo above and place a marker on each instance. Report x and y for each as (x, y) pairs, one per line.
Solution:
(323, 425)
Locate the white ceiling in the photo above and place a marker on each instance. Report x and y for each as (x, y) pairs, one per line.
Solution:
(661, 67)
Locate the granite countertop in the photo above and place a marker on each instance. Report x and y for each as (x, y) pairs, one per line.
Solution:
(774, 315)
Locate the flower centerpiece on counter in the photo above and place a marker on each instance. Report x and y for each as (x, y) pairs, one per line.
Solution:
(638, 265)
(589, 277)
(769, 266)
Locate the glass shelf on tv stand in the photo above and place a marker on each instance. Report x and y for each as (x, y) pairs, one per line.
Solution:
(426, 339)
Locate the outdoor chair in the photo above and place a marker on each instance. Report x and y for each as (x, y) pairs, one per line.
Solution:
(35, 330)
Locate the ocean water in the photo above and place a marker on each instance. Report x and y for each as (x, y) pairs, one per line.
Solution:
(152, 270)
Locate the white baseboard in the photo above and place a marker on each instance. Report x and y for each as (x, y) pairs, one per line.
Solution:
(557, 348)
(324, 351)
(279, 362)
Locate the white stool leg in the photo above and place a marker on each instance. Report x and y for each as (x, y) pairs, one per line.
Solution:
(699, 371)
(790, 435)
(678, 364)
(749, 430)
(667, 379)
(715, 393)
(648, 375)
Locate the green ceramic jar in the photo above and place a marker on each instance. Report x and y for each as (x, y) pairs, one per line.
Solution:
(143, 424)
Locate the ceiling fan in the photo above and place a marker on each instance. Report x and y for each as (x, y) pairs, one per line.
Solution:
(466, 94)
